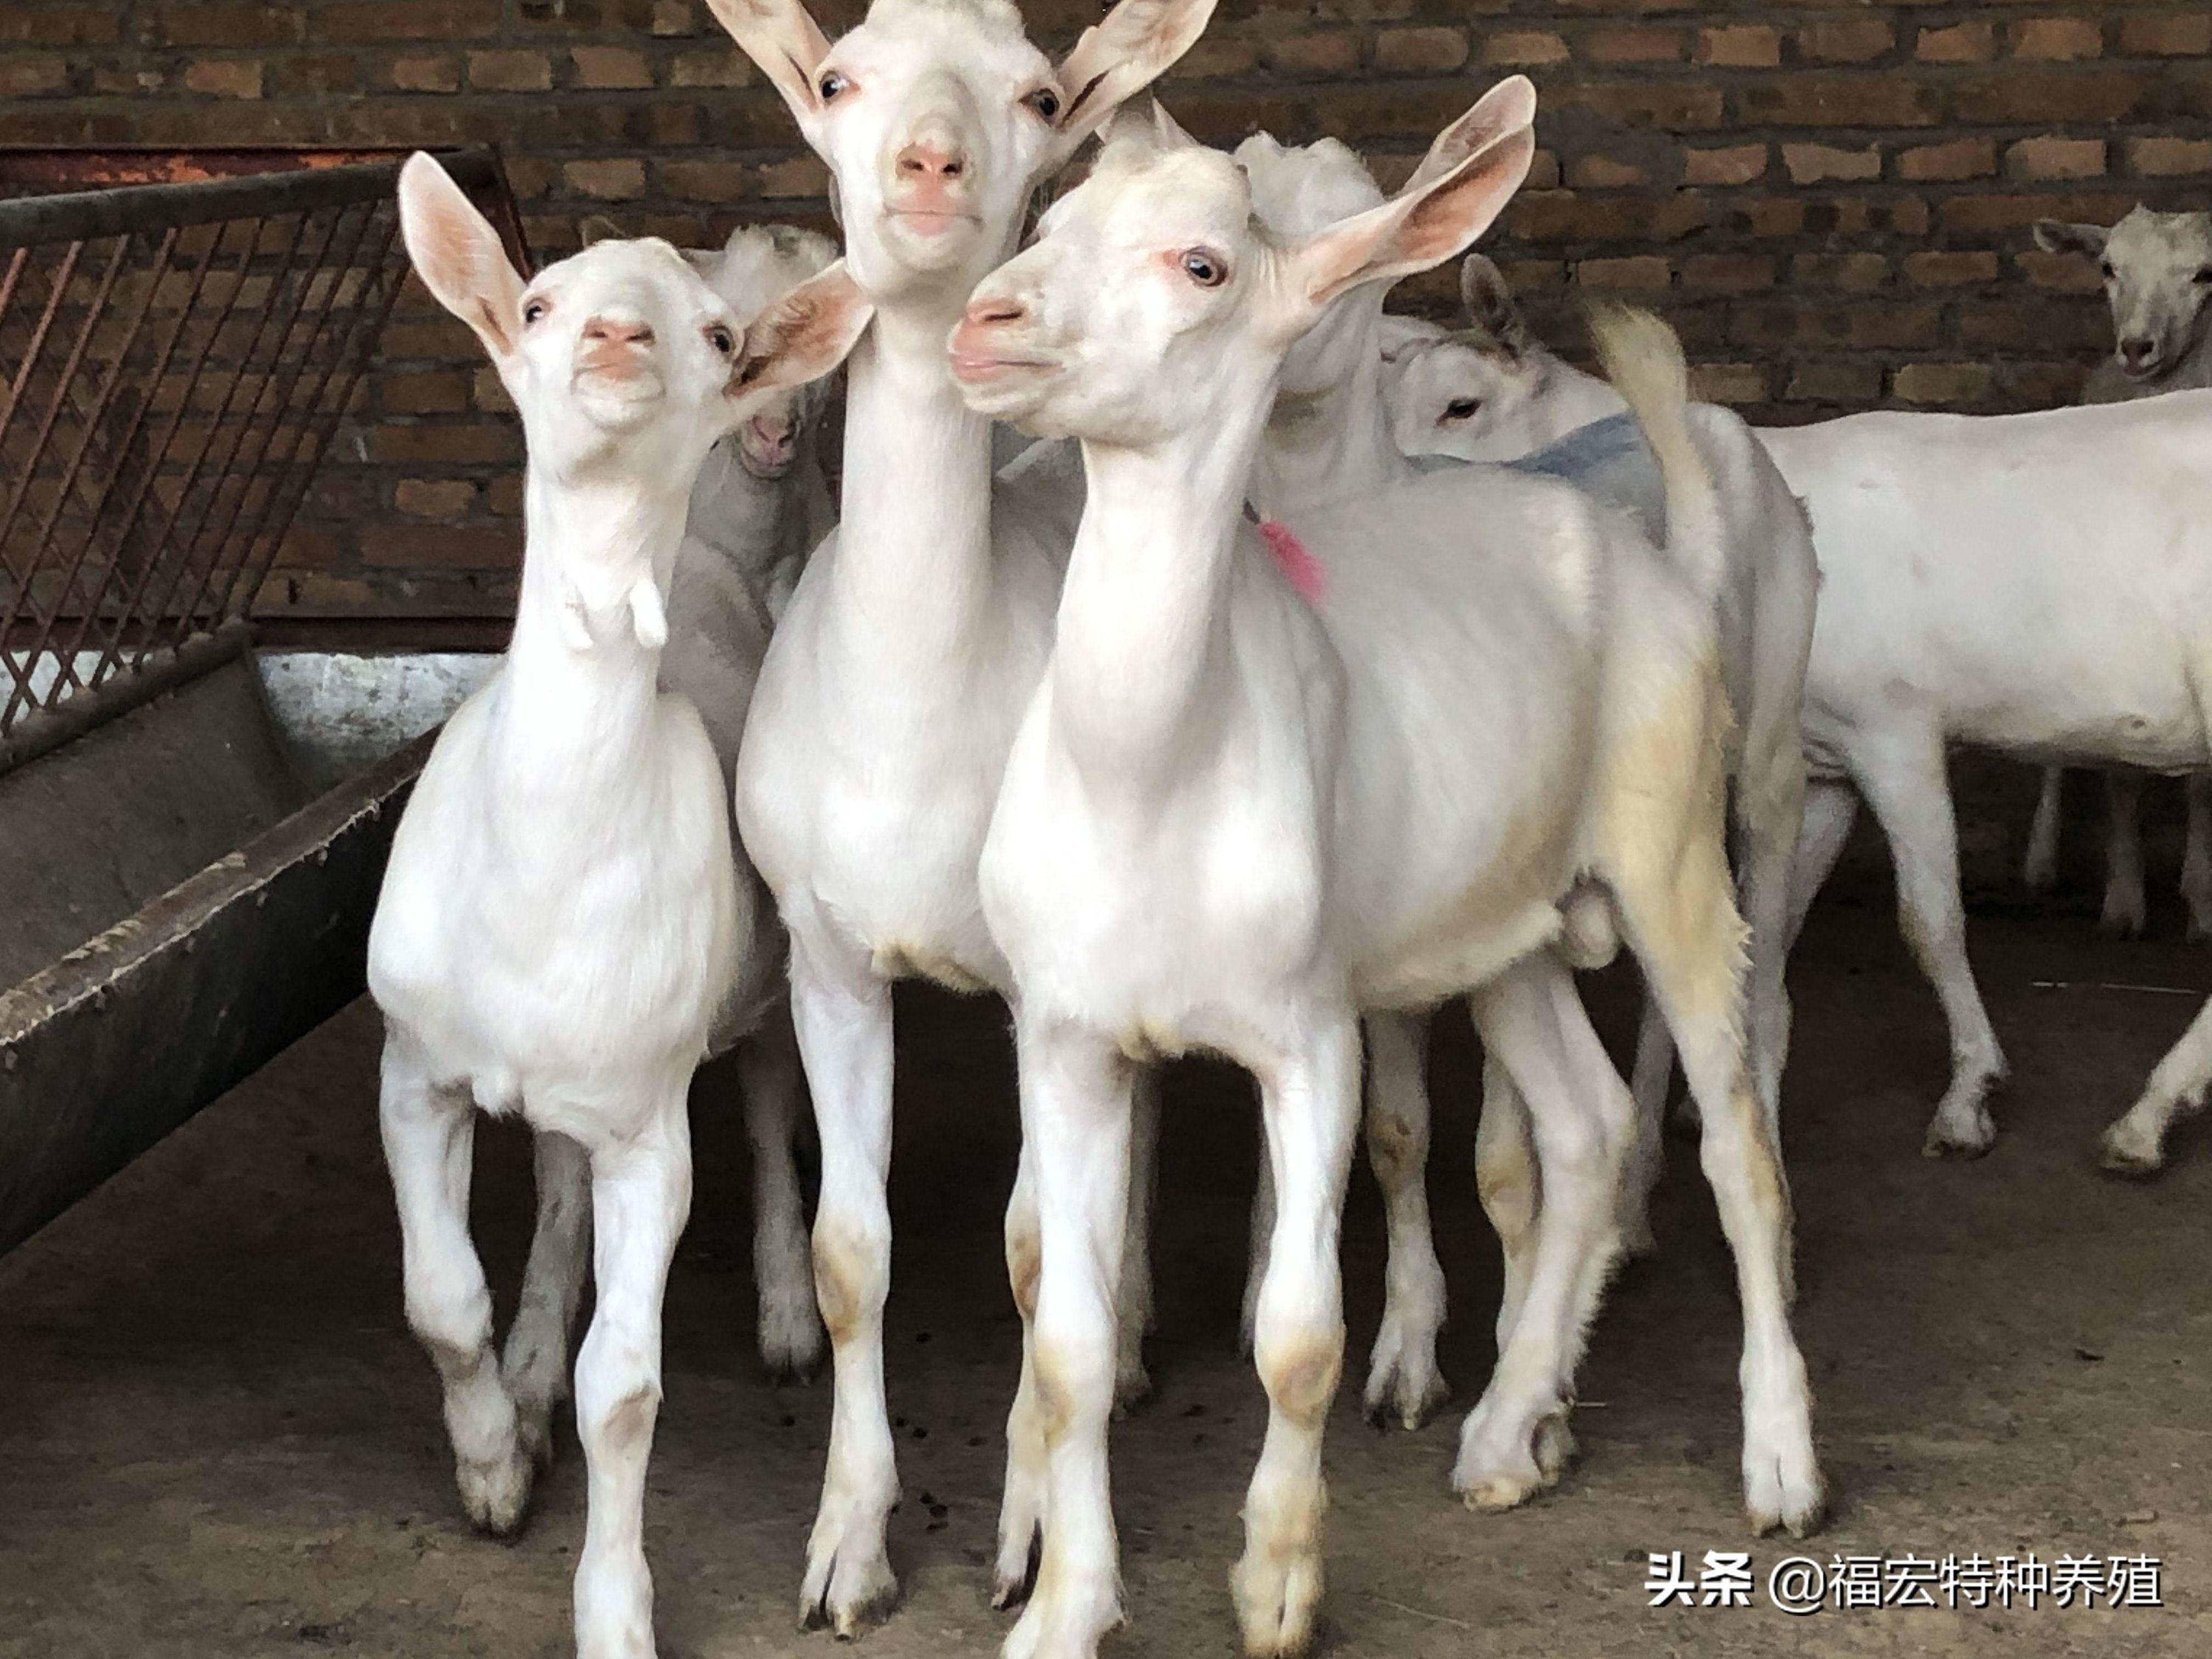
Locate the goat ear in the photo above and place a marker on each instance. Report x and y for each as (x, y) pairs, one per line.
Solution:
(1491, 307)
(782, 38)
(2056, 236)
(596, 227)
(1118, 56)
(459, 256)
(1431, 219)
(801, 337)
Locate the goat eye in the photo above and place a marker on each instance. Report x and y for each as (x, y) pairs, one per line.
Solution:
(1045, 101)
(1459, 409)
(1205, 269)
(2107, 268)
(534, 310)
(832, 84)
(721, 339)
(2205, 274)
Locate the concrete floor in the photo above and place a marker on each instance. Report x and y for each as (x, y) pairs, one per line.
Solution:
(216, 1437)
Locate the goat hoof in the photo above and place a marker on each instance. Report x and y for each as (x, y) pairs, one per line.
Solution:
(791, 1339)
(1788, 1497)
(1276, 1595)
(1403, 1390)
(1960, 1135)
(2127, 1151)
(497, 1493)
(850, 1583)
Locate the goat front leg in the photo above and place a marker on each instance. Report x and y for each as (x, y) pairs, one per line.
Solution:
(429, 1134)
(1022, 1498)
(1903, 777)
(535, 1365)
(2127, 910)
(1402, 1377)
(790, 1327)
(641, 1197)
(2197, 857)
(843, 1015)
(1075, 1132)
(2039, 870)
(1516, 1441)
(1311, 1109)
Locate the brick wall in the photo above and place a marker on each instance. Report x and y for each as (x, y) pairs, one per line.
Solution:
(1831, 202)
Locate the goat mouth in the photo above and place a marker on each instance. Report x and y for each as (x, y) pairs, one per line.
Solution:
(2146, 370)
(987, 368)
(930, 221)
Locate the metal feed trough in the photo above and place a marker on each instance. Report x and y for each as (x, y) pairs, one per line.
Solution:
(191, 831)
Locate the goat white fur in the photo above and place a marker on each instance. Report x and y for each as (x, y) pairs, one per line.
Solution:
(891, 692)
(2157, 269)
(1493, 392)
(561, 927)
(1234, 819)
(760, 505)
(1330, 437)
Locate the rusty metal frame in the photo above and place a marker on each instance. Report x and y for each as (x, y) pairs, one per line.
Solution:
(176, 357)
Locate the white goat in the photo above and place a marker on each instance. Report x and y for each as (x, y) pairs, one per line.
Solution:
(1236, 816)
(2157, 269)
(1330, 436)
(891, 690)
(559, 925)
(759, 508)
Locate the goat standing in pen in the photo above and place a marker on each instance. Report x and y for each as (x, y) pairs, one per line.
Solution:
(1944, 541)
(879, 730)
(2157, 272)
(1236, 816)
(1329, 438)
(561, 923)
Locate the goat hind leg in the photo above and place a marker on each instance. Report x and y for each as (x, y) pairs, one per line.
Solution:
(2197, 857)
(2126, 911)
(789, 1324)
(1402, 1378)
(535, 1365)
(2040, 869)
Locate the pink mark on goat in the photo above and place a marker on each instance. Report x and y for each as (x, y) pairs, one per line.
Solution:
(1299, 566)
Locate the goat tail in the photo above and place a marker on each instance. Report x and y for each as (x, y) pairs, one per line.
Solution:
(1643, 359)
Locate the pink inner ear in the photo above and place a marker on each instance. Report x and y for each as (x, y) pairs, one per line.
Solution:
(1297, 563)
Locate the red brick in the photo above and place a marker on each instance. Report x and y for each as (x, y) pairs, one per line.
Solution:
(435, 498)
(2044, 96)
(1633, 46)
(70, 25)
(1846, 39)
(674, 17)
(802, 176)
(1944, 383)
(1420, 51)
(1809, 100)
(1739, 164)
(1728, 383)
(25, 77)
(1740, 46)
(1812, 164)
(436, 391)
(2056, 40)
(1643, 270)
(611, 66)
(1211, 59)
(224, 78)
(2059, 273)
(2181, 35)
(1605, 173)
(479, 443)
(1958, 269)
(1525, 46)
(411, 20)
(700, 181)
(1974, 41)
(428, 73)
(718, 66)
(1727, 273)
(510, 71)
(463, 547)
(179, 24)
(1962, 158)
(2056, 158)
(618, 180)
(1315, 54)
(1852, 272)
(1834, 380)
(2163, 158)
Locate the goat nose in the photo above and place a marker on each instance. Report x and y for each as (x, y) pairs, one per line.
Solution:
(932, 156)
(2137, 348)
(623, 331)
(991, 308)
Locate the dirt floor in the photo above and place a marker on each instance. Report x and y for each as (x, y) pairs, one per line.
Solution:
(216, 1437)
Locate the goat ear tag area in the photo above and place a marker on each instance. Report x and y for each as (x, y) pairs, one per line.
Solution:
(1296, 561)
